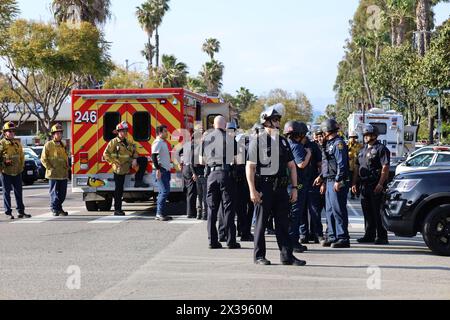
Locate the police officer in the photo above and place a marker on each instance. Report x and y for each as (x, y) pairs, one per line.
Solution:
(295, 132)
(314, 199)
(56, 160)
(199, 173)
(354, 147)
(121, 153)
(372, 172)
(189, 181)
(269, 160)
(219, 151)
(336, 174)
(12, 162)
(317, 196)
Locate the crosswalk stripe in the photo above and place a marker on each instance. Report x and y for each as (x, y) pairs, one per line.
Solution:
(41, 218)
(112, 219)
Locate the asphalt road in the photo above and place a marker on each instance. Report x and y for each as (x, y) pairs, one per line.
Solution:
(96, 256)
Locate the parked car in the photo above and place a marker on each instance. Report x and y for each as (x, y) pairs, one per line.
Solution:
(30, 172)
(424, 160)
(395, 161)
(423, 150)
(419, 202)
(38, 150)
(37, 159)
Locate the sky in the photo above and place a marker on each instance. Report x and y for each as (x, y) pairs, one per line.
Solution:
(295, 45)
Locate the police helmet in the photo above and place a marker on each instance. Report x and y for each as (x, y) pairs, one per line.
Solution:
(57, 128)
(271, 112)
(330, 125)
(231, 126)
(370, 130)
(296, 127)
(9, 126)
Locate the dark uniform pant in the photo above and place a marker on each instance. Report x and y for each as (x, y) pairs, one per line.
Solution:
(119, 181)
(58, 192)
(244, 207)
(191, 191)
(220, 192)
(316, 204)
(202, 206)
(298, 226)
(337, 214)
(142, 163)
(276, 203)
(12, 183)
(371, 203)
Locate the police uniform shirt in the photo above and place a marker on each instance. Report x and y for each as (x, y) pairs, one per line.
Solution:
(299, 153)
(337, 163)
(371, 160)
(219, 148)
(312, 170)
(260, 153)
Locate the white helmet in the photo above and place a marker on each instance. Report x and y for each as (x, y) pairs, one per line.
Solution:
(352, 134)
(272, 111)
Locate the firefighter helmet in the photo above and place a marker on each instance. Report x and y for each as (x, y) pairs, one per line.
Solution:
(123, 126)
(9, 126)
(353, 134)
(57, 128)
(96, 183)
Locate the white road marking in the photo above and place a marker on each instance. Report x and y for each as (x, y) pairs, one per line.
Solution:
(112, 219)
(41, 218)
(185, 221)
(354, 210)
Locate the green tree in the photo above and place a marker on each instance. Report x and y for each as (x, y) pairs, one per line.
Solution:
(210, 47)
(45, 62)
(8, 12)
(212, 74)
(196, 84)
(171, 74)
(120, 78)
(96, 12)
(244, 99)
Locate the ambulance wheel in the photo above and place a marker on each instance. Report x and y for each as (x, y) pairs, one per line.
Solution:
(91, 206)
(105, 205)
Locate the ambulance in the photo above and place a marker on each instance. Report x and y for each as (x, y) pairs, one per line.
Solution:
(394, 134)
(95, 114)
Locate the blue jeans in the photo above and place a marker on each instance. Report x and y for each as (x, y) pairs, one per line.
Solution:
(337, 214)
(299, 218)
(58, 192)
(164, 191)
(10, 183)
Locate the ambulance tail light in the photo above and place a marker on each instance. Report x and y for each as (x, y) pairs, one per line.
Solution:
(84, 161)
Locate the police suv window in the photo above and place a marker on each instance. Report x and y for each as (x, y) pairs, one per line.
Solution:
(141, 126)
(110, 122)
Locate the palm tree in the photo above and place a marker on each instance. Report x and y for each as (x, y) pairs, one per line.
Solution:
(96, 12)
(244, 99)
(398, 12)
(212, 74)
(160, 7)
(211, 46)
(196, 85)
(172, 74)
(362, 47)
(145, 17)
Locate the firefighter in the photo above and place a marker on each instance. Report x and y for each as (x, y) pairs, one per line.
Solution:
(122, 155)
(56, 161)
(354, 147)
(336, 174)
(219, 151)
(269, 159)
(12, 163)
(372, 172)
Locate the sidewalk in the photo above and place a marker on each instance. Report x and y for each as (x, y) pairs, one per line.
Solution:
(188, 270)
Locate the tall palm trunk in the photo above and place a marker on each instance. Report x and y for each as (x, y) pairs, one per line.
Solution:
(423, 13)
(401, 31)
(150, 54)
(157, 47)
(366, 81)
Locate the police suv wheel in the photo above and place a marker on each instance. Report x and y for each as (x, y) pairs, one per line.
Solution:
(91, 206)
(436, 230)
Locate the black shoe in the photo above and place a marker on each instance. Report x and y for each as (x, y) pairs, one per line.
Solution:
(366, 240)
(119, 213)
(55, 213)
(316, 240)
(11, 217)
(304, 241)
(234, 246)
(326, 243)
(24, 215)
(205, 218)
(294, 262)
(199, 218)
(191, 217)
(341, 245)
(63, 213)
(381, 241)
(163, 218)
(300, 249)
(270, 232)
(141, 185)
(263, 262)
(215, 246)
(223, 239)
(248, 238)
